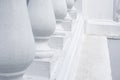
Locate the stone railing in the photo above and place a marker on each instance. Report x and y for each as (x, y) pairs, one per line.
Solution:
(56, 63)
(48, 32)
(50, 25)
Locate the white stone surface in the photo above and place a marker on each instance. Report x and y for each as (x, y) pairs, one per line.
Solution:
(98, 9)
(99, 27)
(94, 61)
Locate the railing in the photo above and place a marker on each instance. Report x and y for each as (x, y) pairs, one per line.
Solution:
(63, 45)
(53, 25)
(57, 29)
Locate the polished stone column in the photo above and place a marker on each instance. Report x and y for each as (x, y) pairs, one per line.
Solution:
(78, 5)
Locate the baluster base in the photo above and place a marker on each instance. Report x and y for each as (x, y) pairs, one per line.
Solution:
(11, 76)
(43, 68)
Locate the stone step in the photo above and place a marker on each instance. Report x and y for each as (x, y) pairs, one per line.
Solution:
(94, 61)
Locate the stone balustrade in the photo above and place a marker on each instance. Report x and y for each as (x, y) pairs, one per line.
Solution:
(39, 38)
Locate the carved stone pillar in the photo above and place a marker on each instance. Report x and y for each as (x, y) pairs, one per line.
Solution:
(72, 12)
(78, 5)
(60, 9)
(17, 46)
(43, 24)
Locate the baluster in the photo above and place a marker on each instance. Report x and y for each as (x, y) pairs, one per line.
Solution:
(70, 3)
(60, 9)
(72, 9)
(78, 5)
(17, 46)
(64, 21)
(62, 37)
(43, 24)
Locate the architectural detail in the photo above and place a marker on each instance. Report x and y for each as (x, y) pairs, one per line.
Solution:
(60, 9)
(43, 25)
(52, 68)
(73, 13)
(78, 5)
(74, 39)
(17, 46)
(70, 3)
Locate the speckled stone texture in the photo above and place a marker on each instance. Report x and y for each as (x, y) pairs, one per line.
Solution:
(94, 62)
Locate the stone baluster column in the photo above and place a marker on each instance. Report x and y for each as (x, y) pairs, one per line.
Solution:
(72, 12)
(70, 3)
(60, 9)
(17, 46)
(61, 37)
(43, 25)
(78, 5)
